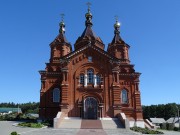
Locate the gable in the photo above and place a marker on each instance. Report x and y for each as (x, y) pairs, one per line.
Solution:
(94, 48)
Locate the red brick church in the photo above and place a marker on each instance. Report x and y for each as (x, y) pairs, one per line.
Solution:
(90, 82)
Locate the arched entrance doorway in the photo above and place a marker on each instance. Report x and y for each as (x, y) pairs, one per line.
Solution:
(90, 108)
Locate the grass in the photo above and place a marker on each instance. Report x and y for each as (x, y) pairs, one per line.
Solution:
(146, 130)
(31, 124)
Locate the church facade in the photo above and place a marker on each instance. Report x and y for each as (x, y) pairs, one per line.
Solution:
(90, 82)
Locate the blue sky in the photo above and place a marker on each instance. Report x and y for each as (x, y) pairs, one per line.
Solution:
(151, 28)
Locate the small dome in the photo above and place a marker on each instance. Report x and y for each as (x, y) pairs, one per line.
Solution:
(117, 24)
(62, 24)
(87, 15)
(62, 27)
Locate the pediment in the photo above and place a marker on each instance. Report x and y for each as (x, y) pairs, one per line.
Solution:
(92, 49)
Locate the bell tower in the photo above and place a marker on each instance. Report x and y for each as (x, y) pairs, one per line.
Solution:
(118, 48)
(60, 46)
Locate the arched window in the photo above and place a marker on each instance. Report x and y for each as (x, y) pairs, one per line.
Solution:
(124, 96)
(56, 95)
(98, 79)
(81, 78)
(90, 74)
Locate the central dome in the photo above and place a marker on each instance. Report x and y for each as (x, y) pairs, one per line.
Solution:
(88, 34)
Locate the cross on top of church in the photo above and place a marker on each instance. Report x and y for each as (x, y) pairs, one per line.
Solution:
(116, 18)
(62, 17)
(88, 4)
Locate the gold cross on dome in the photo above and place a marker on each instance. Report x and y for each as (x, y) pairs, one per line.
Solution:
(88, 4)
(116, 18)
(62, 16)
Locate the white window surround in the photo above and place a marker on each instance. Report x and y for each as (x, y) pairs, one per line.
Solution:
(95, 81)
(85, 80)
(90, 78)
(56, 95)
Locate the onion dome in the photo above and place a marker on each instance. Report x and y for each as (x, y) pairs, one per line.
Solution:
(62, 27)
(88, 33)
(61, 38)
(117, 38)
(88, 16)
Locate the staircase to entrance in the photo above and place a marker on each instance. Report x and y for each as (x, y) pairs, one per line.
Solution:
(91, 124)
(112, 124)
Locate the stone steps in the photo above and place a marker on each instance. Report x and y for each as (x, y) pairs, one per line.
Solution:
(76, 124)
(70, 123)
(111, 124)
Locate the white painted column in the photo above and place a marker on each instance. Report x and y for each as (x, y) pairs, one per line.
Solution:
(85, 80)
(95, 81)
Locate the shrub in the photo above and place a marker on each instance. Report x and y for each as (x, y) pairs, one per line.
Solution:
(163, 125)
(14, 133)
(169, 126)
(176, 128)
(48, 123)
(146, 130)
(31, 124)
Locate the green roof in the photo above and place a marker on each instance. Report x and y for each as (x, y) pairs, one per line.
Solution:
(2, 110)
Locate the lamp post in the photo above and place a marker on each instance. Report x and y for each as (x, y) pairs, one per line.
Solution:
(178, 116)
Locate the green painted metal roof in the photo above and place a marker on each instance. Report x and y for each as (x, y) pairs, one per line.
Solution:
(2, 110)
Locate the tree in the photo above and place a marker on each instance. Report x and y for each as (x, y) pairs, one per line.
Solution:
(170, 110)
(31, 107)
(160, 111)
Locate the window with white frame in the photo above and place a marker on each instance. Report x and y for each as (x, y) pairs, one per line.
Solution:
(90, 75)
(124, 96)
(89, 58)
(98, 79)
(81, 78)
(56, 95)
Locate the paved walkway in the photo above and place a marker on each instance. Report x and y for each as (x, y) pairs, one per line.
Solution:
(68, 128)
(91, 124)
(6, 128)
(170, 132)
(50, 131)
